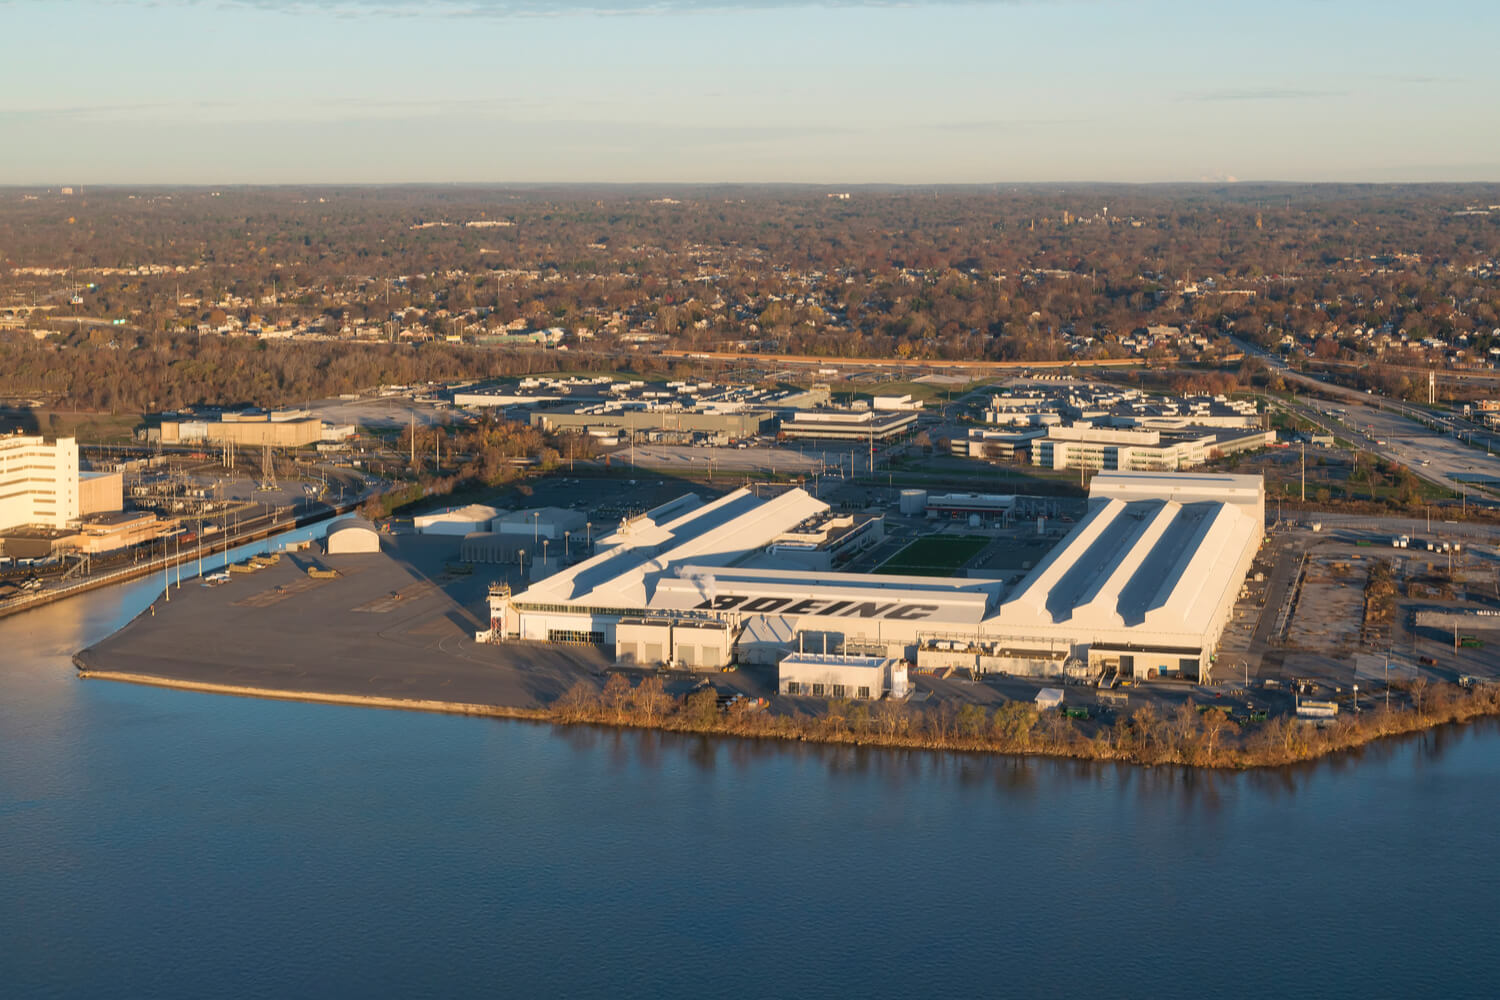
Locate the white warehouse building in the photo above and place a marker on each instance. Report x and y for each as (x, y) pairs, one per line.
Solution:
(1144, 584)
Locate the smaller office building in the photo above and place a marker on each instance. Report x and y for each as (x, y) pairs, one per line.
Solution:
(825, 675)
(109, 532)
(849, 425)
(654, 642)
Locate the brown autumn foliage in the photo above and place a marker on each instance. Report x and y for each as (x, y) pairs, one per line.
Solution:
(1188, 737)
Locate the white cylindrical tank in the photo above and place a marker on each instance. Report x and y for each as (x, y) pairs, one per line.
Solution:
(913, 501)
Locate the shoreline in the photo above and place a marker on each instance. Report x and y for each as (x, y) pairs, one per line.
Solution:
(704, 719)
(153, 566)
(314, 697)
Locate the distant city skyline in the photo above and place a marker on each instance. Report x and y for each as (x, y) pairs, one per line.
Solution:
(511, 91)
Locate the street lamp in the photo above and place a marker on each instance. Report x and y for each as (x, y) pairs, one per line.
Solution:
(566, 554)
(536, 525)
(589, 538)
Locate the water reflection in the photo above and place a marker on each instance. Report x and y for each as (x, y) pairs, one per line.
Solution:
(171, 830)
(1198, 790)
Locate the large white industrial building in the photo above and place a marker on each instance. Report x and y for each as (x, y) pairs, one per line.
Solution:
(38, 481)
(1144, 584)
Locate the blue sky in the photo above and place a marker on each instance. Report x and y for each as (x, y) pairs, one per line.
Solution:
(273, 91)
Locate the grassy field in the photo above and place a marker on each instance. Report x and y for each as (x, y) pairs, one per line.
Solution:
(937, 555)
(88, 428)
(918, 390)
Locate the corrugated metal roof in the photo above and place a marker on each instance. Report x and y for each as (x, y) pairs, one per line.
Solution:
(712, 535)
(1158, 564)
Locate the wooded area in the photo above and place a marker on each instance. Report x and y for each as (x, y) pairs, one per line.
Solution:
(1015, 272)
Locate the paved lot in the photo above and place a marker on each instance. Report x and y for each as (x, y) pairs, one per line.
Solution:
(808, 460)
(277, 629)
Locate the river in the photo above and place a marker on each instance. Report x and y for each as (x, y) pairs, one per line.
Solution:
(172, 844)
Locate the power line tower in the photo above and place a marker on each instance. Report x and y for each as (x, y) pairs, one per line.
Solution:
(267, 469)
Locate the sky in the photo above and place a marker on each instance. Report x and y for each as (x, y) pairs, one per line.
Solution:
(849, 92)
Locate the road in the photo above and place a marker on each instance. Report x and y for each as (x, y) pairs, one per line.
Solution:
(1386, 429)
(788, 460)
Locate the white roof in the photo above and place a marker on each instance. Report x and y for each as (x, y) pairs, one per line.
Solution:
(474, 512)
(523, 519)
(957, 600)
(1184, 487)
(1155, 563)
(713, 535)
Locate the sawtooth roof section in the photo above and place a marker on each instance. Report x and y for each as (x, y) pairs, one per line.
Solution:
(714, 534)
(1205, 571)
(1157, 563)
(1033, 598)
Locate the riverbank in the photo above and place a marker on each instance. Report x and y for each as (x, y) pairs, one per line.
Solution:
(167, 564)
(316, 697)
(1189, 738)
(395, 630)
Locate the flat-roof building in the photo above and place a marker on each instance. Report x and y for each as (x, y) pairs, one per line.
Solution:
(820, 675)
(1082, 446)
(100, 492)
(849, 425)
(249, 428)
(38, 481)
(456, 520)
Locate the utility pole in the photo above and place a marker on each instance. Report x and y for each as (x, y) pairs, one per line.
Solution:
(1304, 472)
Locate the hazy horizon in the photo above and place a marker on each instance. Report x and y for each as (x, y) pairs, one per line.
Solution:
(271, 92)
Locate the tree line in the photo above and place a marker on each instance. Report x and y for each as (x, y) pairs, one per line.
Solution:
(1184, 736)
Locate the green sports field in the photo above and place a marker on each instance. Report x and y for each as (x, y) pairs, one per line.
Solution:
(936, 555)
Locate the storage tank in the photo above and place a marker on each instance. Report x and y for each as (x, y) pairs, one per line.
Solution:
(913, 501)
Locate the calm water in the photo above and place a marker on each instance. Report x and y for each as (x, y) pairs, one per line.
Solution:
(167, 844)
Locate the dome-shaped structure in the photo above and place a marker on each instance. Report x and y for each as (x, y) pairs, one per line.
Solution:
(352, 536)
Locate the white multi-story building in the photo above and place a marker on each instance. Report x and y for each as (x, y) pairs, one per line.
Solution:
(1115, 450)
(38, 481)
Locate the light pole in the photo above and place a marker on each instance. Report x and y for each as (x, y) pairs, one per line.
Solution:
(589, 538)
(536, 525)
(566, 554)
(544, 554)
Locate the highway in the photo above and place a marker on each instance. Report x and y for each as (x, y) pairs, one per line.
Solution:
(1386, 428)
